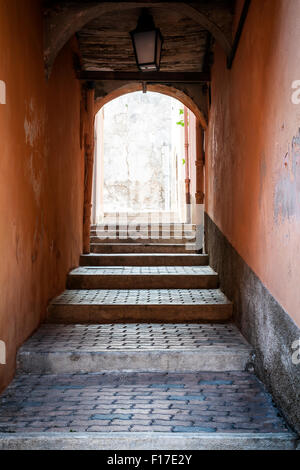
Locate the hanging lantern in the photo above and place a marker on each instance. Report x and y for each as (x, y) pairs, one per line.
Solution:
(147, 43)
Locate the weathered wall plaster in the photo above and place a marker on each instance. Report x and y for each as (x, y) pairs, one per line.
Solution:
(41, 176)
(140, 154)
(287, 189)
(262, 321)
(253, 190)
(253, 156)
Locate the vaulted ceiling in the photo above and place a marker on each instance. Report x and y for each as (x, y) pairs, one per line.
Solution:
(105, 43)
(103, 30)
(107, 60)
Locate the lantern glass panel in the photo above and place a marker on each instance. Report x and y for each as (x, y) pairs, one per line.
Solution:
(145, 47)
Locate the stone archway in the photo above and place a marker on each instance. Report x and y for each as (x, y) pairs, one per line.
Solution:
(169, 90)
(104, 93)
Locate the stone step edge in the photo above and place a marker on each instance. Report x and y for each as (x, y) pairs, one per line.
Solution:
(114, 305)
(138, 281)
(116, 313)
(145, 224)
(144, 234)
(226, 302)
(134, 361)
(155, 241)
(74, 274)
(190, 246)
(143, 259)
(142, 275)
(143, 255)
(136, 231)
(131, 232)
(148, 441)
(147, 248)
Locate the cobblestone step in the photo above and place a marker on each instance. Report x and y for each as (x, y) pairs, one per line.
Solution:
(143, 259)
(203, 410)
(143, 248)
(145, 233)
(143, 277)
(144, 240)
(144, 226)
(57, 349)
(129, 360)
(140, 218)
(140, 305)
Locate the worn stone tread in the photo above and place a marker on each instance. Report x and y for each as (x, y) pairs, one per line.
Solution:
(144, 225)
(144, 270)
(146, 441)
(144, 247)
(142, 240)
(202, 402)
(142, 297)
(135, 336)
(140, 305)
(134, 347)
(144, 233)
(142, 277)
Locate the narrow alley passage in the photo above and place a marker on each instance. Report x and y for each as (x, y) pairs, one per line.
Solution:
(150, 225)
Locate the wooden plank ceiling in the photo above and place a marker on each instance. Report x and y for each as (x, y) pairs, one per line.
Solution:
(105, 43)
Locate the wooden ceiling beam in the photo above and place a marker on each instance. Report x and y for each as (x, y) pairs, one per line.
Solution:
(149, 77)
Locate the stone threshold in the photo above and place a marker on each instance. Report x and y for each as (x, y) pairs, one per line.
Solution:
(147, 441)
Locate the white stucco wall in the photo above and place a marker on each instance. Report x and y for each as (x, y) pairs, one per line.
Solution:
(141, 151)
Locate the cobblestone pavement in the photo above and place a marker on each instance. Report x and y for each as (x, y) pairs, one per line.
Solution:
(143, 270)
(55, 338)
(233, 402)
(141, 296)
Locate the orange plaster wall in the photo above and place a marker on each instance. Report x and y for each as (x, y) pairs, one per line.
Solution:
(253, 149)
(41, 176)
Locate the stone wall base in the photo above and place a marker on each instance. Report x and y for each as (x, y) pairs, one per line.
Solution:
(263, 322)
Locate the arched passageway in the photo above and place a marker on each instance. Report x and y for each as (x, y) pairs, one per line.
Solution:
(139, 157)
(153, 320)
(197, 105)
(194, 186)
(166, 177)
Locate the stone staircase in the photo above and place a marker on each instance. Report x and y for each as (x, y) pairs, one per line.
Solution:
(135, 217)
(140, 353)
(144, 238)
